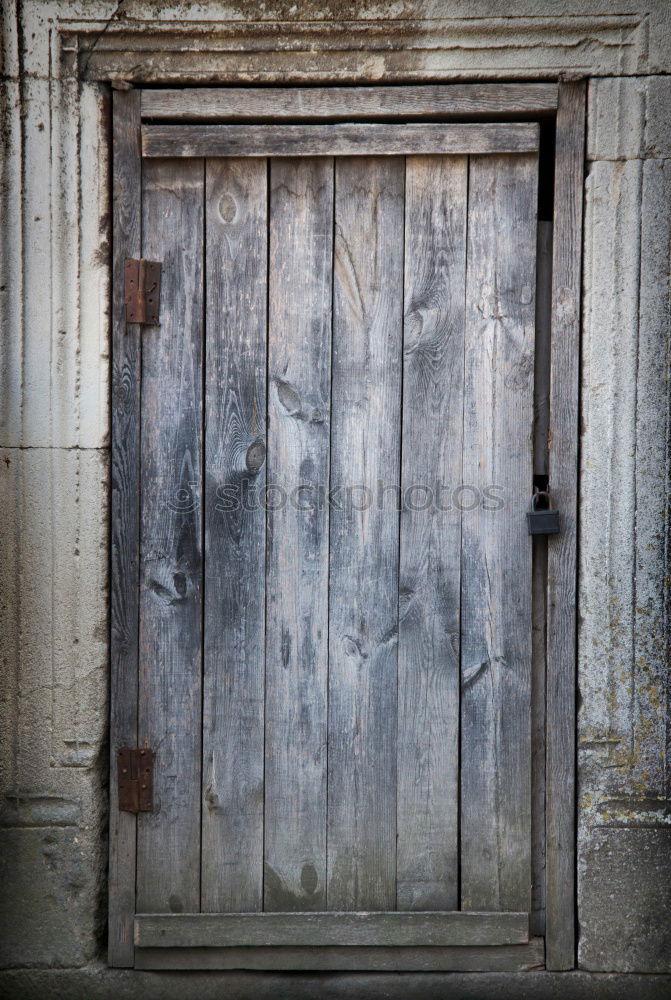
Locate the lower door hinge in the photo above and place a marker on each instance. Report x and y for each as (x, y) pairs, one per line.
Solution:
(142, 289)
(135, 768)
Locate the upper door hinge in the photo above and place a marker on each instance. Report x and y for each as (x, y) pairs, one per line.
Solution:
(135, 766)
(142, 289)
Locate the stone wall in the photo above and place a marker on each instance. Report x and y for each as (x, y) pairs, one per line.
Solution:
(54, 472)
(54, 433)
(624, 664)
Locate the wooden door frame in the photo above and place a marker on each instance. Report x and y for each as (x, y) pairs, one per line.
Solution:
(446, 102)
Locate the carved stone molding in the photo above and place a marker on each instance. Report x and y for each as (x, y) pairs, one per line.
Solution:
(164, 51)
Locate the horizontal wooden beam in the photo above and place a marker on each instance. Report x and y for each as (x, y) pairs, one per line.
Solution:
(243, 104)
(393, 929)
(337, 140)
(499, 958)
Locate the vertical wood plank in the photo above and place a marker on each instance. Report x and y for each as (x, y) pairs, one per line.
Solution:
(538, 739)
(125, 528)
(561, 636)
(171, 543)
(539, 576)
(299, 371)
(543, 339)
(363, 586)
(235, 535)
(430, 539)
(496, 550)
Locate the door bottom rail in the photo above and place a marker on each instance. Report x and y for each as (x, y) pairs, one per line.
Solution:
(356, 942)
(331, 929)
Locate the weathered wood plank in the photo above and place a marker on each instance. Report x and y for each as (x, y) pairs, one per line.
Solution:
(428, 655)
(393, 929)
(539, 576)
(235, 536)
(168, 877)
(125, 533)
(543, 339)
(501, 958)
(337, 140)
(561, 635)
(538, 722)
(299, 371)
(277, 103)
(496, 550)
(363, 599)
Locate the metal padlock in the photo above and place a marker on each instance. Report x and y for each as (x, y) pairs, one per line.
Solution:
(541, 519)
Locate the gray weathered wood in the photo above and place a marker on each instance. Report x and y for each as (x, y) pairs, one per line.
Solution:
(538, 721)
(277, 103)
(168, 843)
(543, 337)
(383, 839)
(235, 536)
(125, 533)
(561, 637)
(428, 655)
(363, 585)
(496, 550)
(299, 370)
(501, 958)
(337, 140)
(539, 576)
(392, 929)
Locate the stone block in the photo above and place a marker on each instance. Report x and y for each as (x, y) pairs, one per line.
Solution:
(53, 580)
(652, 605)
(49, 885)
(626, 894)
(629, 118)
(608, 445)
(55, 265)
(11, 343)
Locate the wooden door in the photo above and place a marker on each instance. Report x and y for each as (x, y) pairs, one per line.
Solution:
(334, 452)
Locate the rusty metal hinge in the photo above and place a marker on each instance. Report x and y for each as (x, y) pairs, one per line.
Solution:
(142, 290)
(136, 779)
